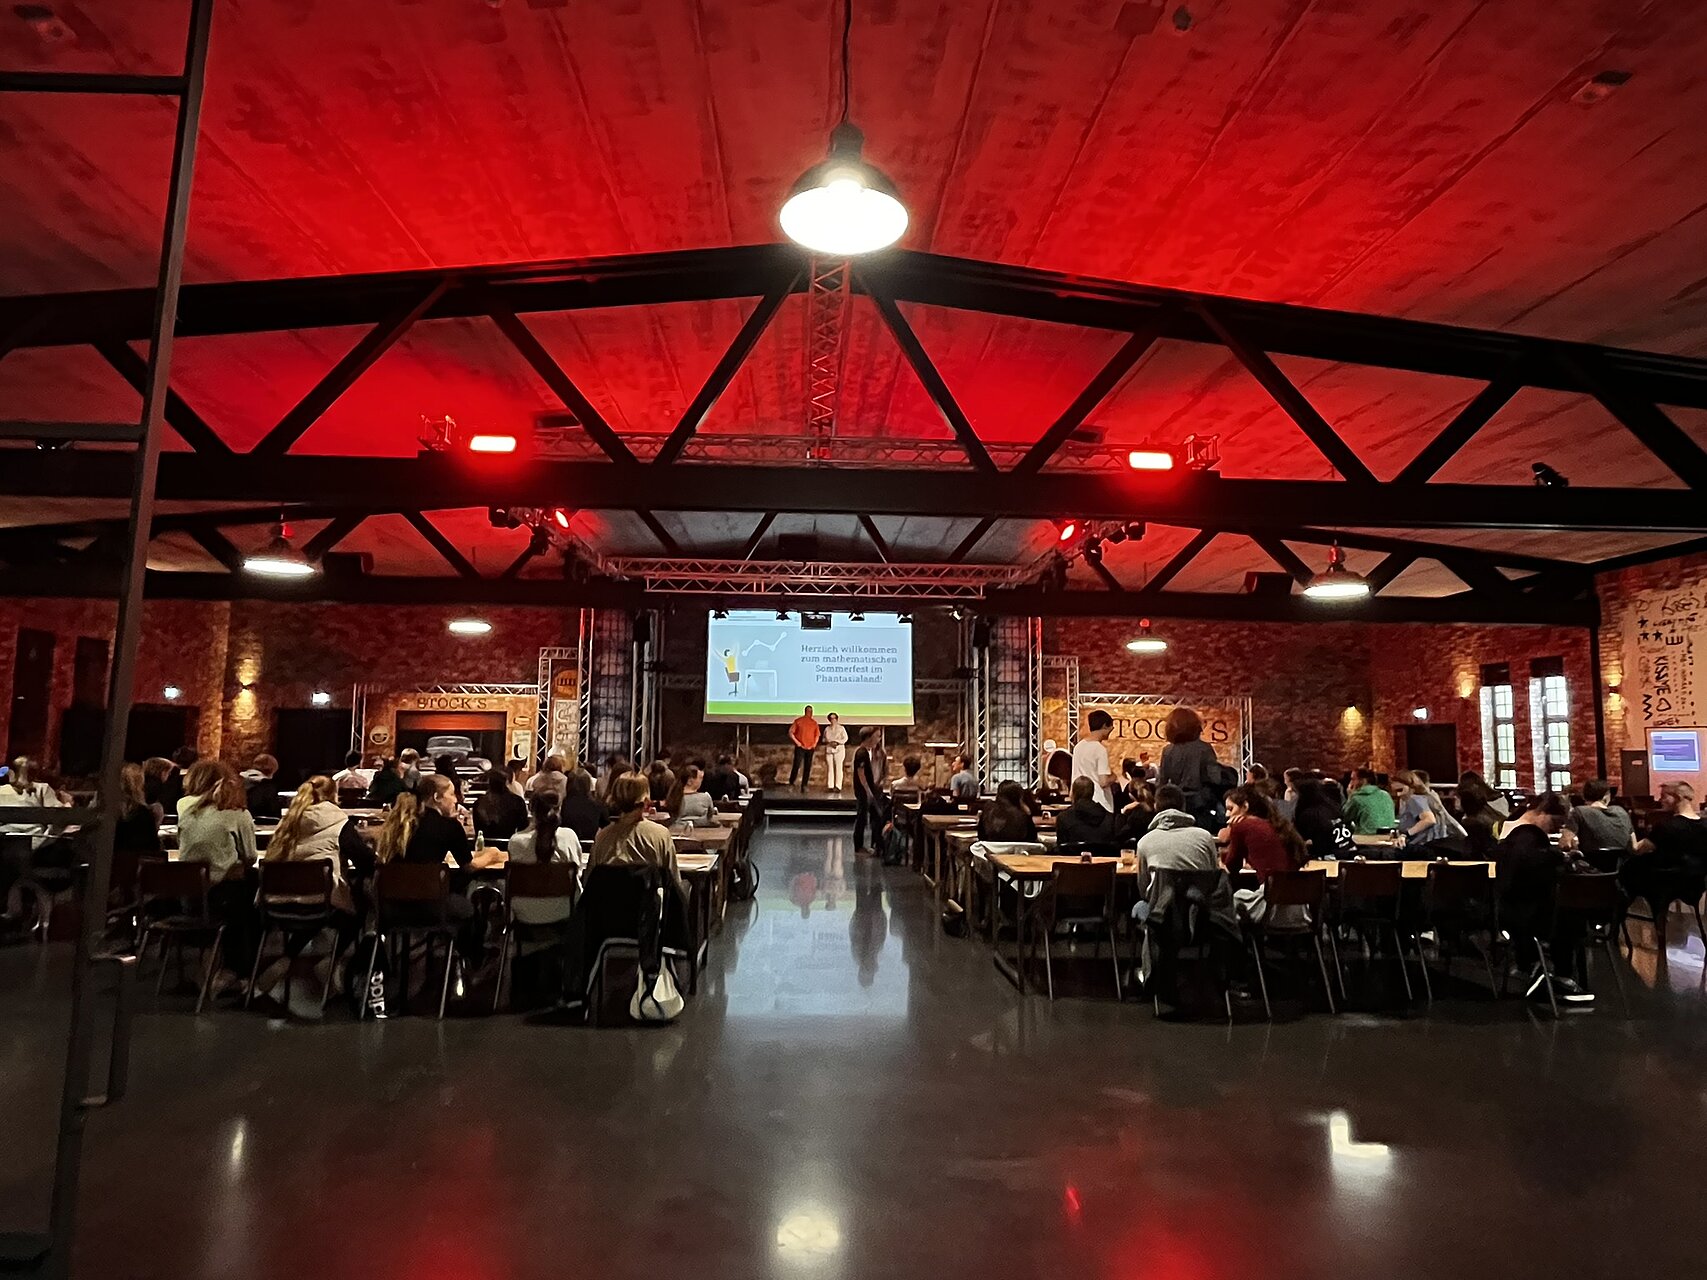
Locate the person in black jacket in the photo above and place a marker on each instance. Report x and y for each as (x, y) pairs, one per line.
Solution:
(1084, 822)
(1189, 763)
(500, 812)
(1529, 866)
(1009, 820)
(869, 801)
(580, 811)
(722, 782)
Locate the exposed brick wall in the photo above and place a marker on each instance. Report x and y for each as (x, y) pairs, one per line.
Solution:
(1617, 594)
(183, 643)
(1438, 668)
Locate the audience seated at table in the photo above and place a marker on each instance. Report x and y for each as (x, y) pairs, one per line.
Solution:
(545, 828)
(1418, 813)
(1528, 868)
(909, 788)
(1137, 807)
(1286, 803)
(156, 771)
(437, 829)
(1174, 842)
(1008, 819)
(516, 777)
(216, 827)
(1084, 822)
(963, 783)
(315, 828)
(660, 779)
(1319, 820)
(553, 776)
(1369, 807)
(1256, 838)
(261, 782)
(499, 812)
(632, 839)
(687, 801)
(615, 767)
(137, 830)
(388, 782)
(353, 777)
(1599, 830)
(581, 811)
(1481, 809)
(445, 767)
(1674, 851)
(722, 782)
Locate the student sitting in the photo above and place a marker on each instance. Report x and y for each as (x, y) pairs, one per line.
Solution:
(1008, 820)
(686, 801)
(1369, 807)
(963, 786)
(580, 811)
(500, 812)
(1085, 822)
(1598, 829)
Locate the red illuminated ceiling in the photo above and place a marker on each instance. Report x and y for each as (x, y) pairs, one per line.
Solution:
(1420, 159)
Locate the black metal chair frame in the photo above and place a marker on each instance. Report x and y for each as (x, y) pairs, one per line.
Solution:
(1364, 921)
(185, 926)
(1259, 933)
(445, 928)
(1042, 916)
(295, 918)
(520, 930)
(1190, 908)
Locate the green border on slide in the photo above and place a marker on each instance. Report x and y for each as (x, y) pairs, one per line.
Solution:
(785, 712)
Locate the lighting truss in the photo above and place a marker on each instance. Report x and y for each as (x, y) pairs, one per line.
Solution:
(806, 579)
(826, 309)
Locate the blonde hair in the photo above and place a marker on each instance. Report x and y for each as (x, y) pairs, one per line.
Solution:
(1682, 790)
(317, 789)
(399, 828)
(629, 794)
(130, 787)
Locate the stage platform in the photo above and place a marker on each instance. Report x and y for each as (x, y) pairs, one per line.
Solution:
(814, 805)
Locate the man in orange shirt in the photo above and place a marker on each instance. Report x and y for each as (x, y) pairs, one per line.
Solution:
(804, 734)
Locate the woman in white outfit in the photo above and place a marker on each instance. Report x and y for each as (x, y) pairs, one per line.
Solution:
(835, 752)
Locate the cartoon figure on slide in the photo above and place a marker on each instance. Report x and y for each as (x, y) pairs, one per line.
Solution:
(759, 676)
(732, 669)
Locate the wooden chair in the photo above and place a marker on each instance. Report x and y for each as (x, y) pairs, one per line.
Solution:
(172, 901)
(1079, 896)
(1307, 890)
(295, 899)
(532, 881)
(414, 898)
(1371, 894)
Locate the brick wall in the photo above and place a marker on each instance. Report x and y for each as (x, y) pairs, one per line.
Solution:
(1617, 593)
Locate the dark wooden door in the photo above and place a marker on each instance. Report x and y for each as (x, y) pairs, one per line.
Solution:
(32, 694)
(310, 740)
(1433, 748)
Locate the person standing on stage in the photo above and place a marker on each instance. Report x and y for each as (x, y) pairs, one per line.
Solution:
(804, 734)
(835, 752)
(869, 768)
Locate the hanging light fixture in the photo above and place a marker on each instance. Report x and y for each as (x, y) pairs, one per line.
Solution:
(1144, 642)
(1337, 582)
(844, 206)
(468, 626)
(279, 559)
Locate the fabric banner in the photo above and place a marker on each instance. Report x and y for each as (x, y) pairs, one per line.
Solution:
(1663, 630)
(1140, 730)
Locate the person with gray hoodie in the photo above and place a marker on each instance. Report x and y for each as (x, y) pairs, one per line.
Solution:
(1174, 842)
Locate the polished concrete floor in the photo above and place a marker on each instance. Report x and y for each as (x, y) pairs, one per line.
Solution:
(855, 1095)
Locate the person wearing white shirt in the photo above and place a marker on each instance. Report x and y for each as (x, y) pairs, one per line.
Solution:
(24, 790)
(565, 846)
(835, 751)
(352, 777)
(1090, 757)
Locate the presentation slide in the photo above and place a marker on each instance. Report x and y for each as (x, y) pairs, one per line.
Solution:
(762, 671)
(1673, 751)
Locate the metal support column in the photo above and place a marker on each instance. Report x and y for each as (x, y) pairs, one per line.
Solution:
(76, 1099)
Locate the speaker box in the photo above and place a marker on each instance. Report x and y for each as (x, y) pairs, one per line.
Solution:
(1268, 585)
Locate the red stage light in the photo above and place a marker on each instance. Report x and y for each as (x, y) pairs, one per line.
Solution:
(1150, 460)
(491, 442)
(1067, 529)
(560, 517)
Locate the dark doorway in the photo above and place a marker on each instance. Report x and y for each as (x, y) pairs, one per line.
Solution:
(1433, 748)
(32, 694)
(310, 740)
(156, 729)
(89, 672)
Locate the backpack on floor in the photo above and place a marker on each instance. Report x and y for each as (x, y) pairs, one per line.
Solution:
(892, 844)
(743, 881)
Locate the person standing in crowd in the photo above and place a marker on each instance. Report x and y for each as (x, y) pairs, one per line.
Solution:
(1008, 819)
(499, 812)
(352, 777)
(869, 801)
(835, 752)
(1084, 822)
(963, 783)
(1190, 763)
(1090, 757)
(1369, 807)
(387, 783)
(1675, 849)
(263, 789)
(1528, 868)
(804, 734)
(1598, 829)
(581, 811)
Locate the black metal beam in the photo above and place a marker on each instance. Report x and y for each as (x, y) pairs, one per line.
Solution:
(335, 532)
(343, 375)
(934, 386)
(876, 536)
(189, 425)
(528, 345)
(92, 82)
(1658, 433)
(1284, 556)
(1105, 573)
(1464, 607)
(1382, 575)
(217, 545)
(537, 546)
(1085, 403)
(1191, 500)
(1458, 433)
(1432, 550)
(1477, 574)
(758, 534)
(454, 558)
(1612, 564)
(693, 417)
(665, 540)
(973, 537)
(1184, 556)
(745, 271)
(1285, 394)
